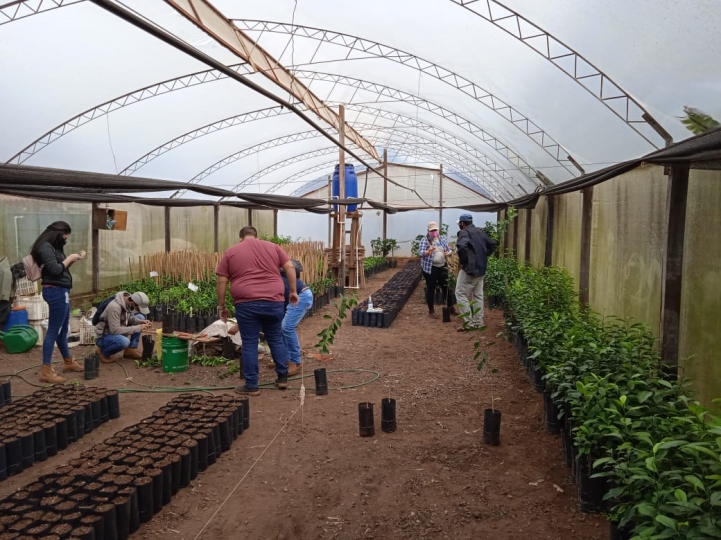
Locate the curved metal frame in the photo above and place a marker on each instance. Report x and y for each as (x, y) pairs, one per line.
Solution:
(380, 50)
(21, 9)
(570, 62)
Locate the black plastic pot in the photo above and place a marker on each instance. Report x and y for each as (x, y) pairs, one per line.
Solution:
(190, 325)
(144, 487)
(169, 322)
(618, 534)
(202, 440)
(113, 404)
(104, 411)
(184, 467)
(134, 521)
(553, 424)
(590, 490)
(539, 385)
(365, 419)
(492, 427)
(28, 448)
(166, 467)
(181, 323)
(97, 416)
(225, 437)
(246, 413)
(7, 392)
(61, 428)
(157, 477)
(3, 463)
(148, 346)
(321, 382)
(446, 314)
(158, 313)
(192, 445)
(388, 415)
(90, 372)
(41, 453)
(110, 526)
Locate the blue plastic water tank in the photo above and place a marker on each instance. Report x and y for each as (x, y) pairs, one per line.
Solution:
(351, 185)
(17, 316)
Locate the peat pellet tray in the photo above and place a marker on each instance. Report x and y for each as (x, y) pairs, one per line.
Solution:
(40, 425)
(122, 482)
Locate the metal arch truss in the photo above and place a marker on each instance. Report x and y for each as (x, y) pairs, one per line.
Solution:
(595, 81)
(442, 153)
(396, 119)
(147, 92)
(379, 50)
(20, 9)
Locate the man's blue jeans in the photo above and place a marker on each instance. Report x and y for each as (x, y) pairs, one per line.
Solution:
(293, 316)
(252, 317)
(58, 300)
(111, 343)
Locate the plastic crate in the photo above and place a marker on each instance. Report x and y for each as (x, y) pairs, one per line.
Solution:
(37, 308)
(25, 287)
(87, 332)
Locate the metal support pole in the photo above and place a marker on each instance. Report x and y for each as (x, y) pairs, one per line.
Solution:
(528, 235)
(95, 248)
(586, 226)
(548, 258)
(678, 193)
(385, 192)
(440, 200)
(216, 226)
(341, 208)
(167, 229)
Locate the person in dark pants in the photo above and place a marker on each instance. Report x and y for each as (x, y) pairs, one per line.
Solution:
(57, 282)
(252, 266)
(433, 249)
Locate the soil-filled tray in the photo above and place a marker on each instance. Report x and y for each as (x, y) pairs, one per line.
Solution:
(122, 482)
(390, 298)
(40, 425)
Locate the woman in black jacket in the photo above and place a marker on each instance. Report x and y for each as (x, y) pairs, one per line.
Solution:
(57, 282)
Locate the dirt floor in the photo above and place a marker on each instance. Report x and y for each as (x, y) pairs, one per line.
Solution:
(316, 478)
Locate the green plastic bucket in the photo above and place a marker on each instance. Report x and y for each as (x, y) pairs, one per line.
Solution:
(21, 338)
(175, 355)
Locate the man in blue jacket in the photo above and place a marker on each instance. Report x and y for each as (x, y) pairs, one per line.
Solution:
(474, 246)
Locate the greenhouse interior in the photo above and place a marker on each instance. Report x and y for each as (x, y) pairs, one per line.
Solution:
(502, 219)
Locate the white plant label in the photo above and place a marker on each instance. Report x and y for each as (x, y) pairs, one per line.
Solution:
(153, 274)
(193, 287)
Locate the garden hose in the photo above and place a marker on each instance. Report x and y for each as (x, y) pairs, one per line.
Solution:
(149, 389)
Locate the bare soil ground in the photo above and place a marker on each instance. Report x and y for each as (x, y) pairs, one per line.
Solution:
(316, 478)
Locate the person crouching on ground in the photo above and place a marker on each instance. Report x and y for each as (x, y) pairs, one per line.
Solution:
(294, 313)
(119, 330)
(433, 249)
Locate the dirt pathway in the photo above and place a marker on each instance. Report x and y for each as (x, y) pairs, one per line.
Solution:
(433, 478)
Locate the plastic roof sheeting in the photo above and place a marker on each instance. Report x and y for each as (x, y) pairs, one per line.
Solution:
(494, 92)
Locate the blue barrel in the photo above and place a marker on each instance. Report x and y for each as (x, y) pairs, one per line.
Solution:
(18, 316)
(351, 186)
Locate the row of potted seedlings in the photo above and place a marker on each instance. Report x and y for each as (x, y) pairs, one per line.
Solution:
(38, 426)
(640, 448)
(118, 484)
(375, 265)
(390, 298)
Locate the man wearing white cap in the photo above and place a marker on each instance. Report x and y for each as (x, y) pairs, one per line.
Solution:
(474, 246)
(118, 329)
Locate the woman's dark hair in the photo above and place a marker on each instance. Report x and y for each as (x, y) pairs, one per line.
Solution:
(53, 234)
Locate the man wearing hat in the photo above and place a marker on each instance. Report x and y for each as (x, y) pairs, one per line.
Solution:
(119, 330)
(433, 249)
(474, 247)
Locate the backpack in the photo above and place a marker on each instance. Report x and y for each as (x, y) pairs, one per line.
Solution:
(101, 308)
(32, 271)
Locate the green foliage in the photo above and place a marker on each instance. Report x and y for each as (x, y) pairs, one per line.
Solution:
(327, 335)
(280, 240)
(697, 121)
(500, 273)
(497, 229)
(151, 362)
(658, 448)
(211, 361)
(232, 370)
(372, 262)
(382, 248)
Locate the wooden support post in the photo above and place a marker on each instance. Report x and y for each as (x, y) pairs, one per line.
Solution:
(250, 217)
(548, 257)
(515, 235)
(586, 227)
(505, 233)
(529, 213)
(95, 248)
(385, 192)
(275, 222)
(330, 216)
(678, 193)
(440, 201)
(341, 208)
(167, 229)
(216, 226)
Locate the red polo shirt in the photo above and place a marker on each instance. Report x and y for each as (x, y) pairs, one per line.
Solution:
(253, 267)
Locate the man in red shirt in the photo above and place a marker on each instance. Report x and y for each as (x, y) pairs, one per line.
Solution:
(253, 268)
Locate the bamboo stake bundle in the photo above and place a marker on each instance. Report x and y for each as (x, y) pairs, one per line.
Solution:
(183, 265)
(311, 255)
